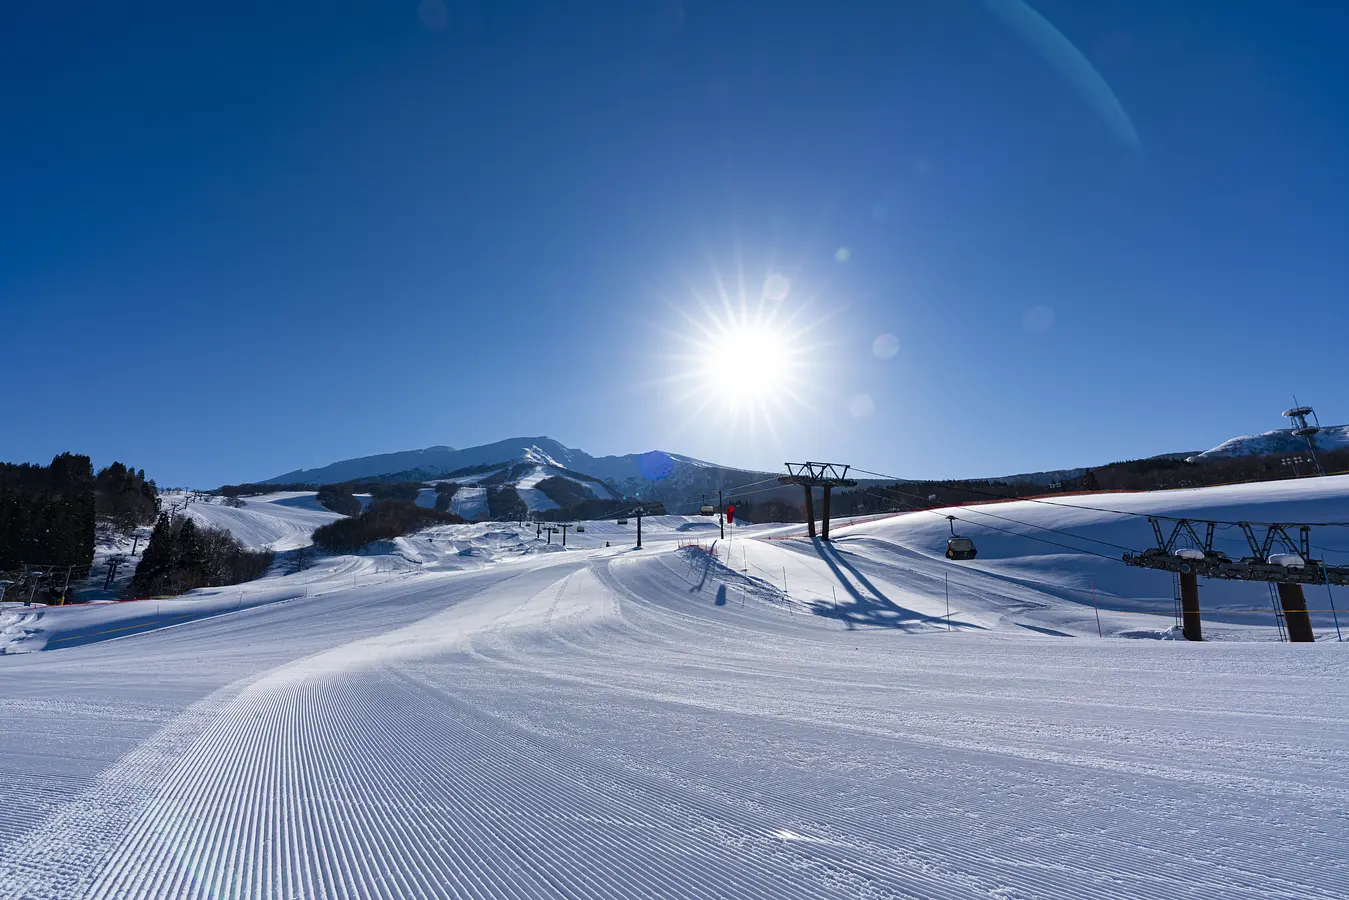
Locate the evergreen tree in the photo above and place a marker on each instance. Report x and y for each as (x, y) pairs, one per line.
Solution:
(186, 556)
(158, 561)
(192, 559)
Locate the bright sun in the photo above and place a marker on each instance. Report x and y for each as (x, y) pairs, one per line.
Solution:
(748, 363)
(743, 365)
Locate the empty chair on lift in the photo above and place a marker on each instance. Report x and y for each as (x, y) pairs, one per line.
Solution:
(958, 546)
(707, 509)
(622, 521)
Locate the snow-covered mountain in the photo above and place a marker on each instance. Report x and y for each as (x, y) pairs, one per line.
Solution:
(655, 475)
(1282, 440)
(368, 466)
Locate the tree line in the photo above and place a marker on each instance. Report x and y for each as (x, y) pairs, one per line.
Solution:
(49, 514)
(596, 508)
(254, 489)
(182, 556)
(341, 497)
(504, 504)
(383, 520)
(1170, 472)
(563, 491)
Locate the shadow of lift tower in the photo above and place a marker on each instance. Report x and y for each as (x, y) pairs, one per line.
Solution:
(811, 475)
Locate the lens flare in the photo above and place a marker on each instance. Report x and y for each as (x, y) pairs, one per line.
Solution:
(777, 286)
(861, 405)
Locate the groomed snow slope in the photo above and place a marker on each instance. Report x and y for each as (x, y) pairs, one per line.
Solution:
(603, 722)
(282, 521)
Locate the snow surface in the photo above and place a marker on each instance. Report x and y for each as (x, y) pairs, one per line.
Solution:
(474, 712)
(282, 521)
(470, 502)
(527, 486)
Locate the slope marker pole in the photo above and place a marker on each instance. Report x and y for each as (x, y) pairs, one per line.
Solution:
(1331, 595)
(1097, 608)
(947, 576)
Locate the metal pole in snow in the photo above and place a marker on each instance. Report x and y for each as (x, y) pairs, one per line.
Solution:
(1331, 595)
(947, 577)
(1097, 608)
(834, 591)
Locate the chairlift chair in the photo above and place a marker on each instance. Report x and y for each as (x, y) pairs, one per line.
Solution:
(580, 528)
(958, 546)
(707, 509)
(623, 521)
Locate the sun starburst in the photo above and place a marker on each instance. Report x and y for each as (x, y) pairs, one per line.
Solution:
(746, 359)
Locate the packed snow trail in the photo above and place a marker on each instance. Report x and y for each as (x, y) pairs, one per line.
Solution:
(280, 521)
(619, 724)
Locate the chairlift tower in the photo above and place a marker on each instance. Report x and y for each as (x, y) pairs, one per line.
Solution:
(811, 475)
(1280, 554)
(1306, 430)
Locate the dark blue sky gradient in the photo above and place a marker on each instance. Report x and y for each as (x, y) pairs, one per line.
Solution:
(319, 230)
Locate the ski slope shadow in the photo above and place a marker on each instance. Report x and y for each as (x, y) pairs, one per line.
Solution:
(872, 608)
(992, 586)
(701, 564)
(707, 559)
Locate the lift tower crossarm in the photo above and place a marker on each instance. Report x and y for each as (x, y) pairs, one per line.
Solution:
(1209, 563)
(810, 475)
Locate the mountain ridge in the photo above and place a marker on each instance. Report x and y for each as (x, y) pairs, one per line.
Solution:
(654, 474)
(1279, 440)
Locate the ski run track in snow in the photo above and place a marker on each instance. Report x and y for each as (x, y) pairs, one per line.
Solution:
(472, 712)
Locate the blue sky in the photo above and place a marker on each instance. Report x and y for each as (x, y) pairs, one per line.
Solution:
(244, 238)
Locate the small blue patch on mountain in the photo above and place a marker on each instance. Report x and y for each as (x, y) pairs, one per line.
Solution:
(655, 465)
